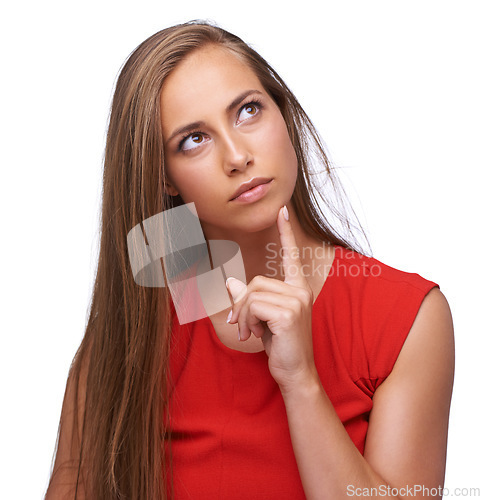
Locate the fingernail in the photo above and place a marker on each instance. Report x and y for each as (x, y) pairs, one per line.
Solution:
(227, 282)
(229, 316)
(238, 333)
(285, 212)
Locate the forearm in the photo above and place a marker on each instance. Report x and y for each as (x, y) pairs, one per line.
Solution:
(327, 459)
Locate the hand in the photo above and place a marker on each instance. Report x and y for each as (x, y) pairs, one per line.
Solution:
(279, 312)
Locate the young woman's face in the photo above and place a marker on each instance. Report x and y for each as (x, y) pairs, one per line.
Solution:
(221, 130)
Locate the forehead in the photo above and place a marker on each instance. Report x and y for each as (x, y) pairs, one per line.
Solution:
(209, 78)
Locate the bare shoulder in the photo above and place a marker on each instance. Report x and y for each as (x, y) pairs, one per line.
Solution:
(431, 338)
(435, 310)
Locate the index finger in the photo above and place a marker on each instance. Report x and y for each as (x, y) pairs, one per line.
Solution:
(291, 261)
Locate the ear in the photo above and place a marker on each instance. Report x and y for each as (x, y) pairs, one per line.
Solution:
(170, 189)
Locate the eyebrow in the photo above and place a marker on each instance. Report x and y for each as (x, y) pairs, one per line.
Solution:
(195, 125)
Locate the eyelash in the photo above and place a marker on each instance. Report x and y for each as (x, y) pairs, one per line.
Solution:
(258, 104)
(186, 136)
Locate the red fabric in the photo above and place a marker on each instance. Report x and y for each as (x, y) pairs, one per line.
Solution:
(230, 438)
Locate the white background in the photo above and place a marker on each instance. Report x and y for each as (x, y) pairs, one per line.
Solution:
(393, 88)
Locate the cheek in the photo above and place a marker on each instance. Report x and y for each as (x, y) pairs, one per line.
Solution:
(180, 176)
(193, 182)
(281, 144)
(188, 185)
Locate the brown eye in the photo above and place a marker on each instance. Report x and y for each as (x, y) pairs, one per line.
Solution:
(248, 111)
(192, 141)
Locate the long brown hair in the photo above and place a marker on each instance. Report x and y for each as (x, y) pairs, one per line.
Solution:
(119, 380)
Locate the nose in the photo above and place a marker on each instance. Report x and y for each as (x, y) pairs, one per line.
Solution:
(236, 154)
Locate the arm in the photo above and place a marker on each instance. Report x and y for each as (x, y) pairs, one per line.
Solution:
(407, 436)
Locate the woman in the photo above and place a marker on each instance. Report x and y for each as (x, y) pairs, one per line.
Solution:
(330, 375)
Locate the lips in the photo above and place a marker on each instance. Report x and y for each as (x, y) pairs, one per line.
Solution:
(246, 186)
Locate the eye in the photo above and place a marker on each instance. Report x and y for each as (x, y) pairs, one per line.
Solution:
(192, 141)
(248, 111)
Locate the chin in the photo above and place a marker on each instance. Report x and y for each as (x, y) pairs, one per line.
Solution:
(259, 219)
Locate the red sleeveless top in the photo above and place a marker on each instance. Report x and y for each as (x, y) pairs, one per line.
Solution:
(230, 438)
